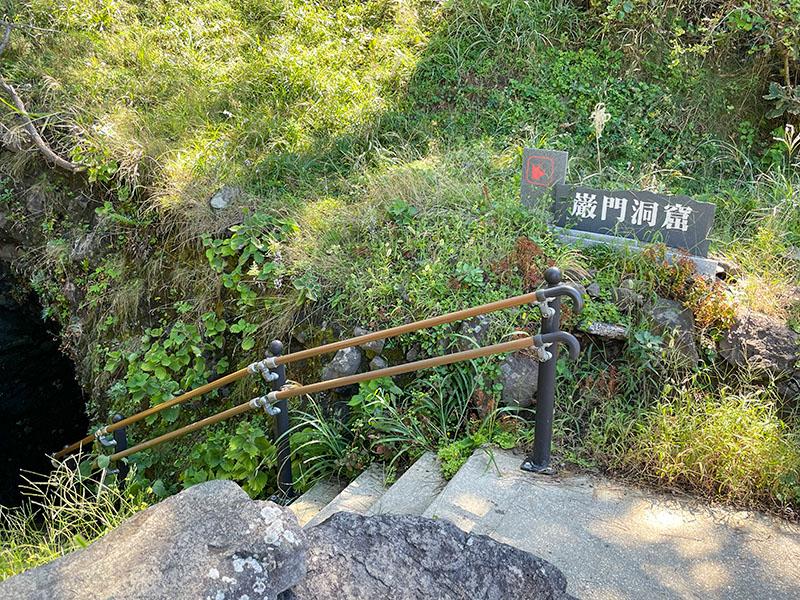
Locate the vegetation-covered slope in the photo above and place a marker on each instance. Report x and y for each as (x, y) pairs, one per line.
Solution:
(375, 152)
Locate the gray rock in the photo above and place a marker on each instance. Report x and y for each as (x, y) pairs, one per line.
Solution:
(377, 363)
(70, 291)
(372, 348)
(473, 332)
(726, 267)
(793, 253)
(346, 362)
(208, 542)
(34, 201)
(593, 289)
(223, 198)
(576, 286)
(758, 339)
(790, 388)
(9, 252)
(85, 247)
(413, 353)
(626, 299)
(404, 557)
(672, 319)
(606, 331)
(519, 376)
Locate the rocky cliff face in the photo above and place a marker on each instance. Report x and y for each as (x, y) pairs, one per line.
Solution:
(45, 225)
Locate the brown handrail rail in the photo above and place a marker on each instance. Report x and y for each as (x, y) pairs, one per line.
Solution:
(459, 315)
(519, 344)
(467, 313)
(158, 408)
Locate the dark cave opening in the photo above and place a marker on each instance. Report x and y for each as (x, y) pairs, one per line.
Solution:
(42, 407)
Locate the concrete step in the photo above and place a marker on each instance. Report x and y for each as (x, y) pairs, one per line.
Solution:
(619, 542)
(357, 497)
(314, 500)
(413, 492)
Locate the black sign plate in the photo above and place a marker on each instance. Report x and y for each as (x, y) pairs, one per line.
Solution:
(677, 221)
(542, 170)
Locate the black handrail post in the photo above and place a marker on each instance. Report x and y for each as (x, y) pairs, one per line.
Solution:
(121, 437)
(285, 490)
(539, 462)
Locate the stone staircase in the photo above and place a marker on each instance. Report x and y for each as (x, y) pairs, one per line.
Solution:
(612, 541)
(411, 494)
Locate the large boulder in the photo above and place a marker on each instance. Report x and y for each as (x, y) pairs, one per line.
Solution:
(208, 542)
(403, 557)
(519, 376)
(756, 339)
(345, 363)
(673, 320)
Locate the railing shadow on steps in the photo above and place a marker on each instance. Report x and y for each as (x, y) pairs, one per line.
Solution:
(273, 368)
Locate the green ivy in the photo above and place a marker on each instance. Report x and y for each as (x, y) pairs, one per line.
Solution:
(251, 255)
(167, 363)
(247, 457)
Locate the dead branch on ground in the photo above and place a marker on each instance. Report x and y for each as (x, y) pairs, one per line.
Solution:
(27, 123)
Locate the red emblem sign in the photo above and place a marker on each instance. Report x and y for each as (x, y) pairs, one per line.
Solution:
(539, 170)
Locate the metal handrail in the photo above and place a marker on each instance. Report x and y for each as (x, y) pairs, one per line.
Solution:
(540, 297)
(446, 359)
(537, 297)
(89, 439)
(273, 369)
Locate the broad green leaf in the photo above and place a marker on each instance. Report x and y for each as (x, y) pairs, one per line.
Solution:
(171, 413)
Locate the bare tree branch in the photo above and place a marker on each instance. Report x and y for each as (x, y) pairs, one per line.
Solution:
(31, 27)
(27, 123)
(6, 36)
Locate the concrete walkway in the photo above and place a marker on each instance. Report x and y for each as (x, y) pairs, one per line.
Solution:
(616, 542)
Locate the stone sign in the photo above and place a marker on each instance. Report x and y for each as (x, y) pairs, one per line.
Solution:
(541, 171)
(676, 221)
(587, 216)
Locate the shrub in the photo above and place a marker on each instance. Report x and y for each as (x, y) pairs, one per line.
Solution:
(247, 457)
(729, 445)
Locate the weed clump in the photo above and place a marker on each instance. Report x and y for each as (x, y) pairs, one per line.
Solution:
(730, 445)
(62, 513)
(711, 303)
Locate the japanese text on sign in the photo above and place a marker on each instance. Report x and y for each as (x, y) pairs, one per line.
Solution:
(678, 221)
(676, 216)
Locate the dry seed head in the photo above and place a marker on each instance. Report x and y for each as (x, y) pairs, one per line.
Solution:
(599, 118)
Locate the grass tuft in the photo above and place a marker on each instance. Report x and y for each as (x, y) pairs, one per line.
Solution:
(726, 445)
(61, 513)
